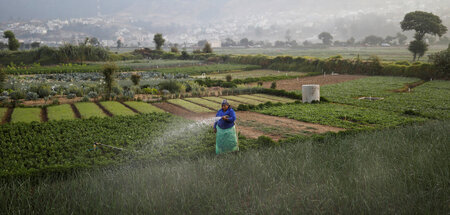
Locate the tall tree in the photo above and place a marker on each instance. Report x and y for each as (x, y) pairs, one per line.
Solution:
(326, 38)
(108, 72)
(94, 41)
(207, 48)
(423, 23)
(159, 41)
(119, 44)
(13, 43)
(35, 45)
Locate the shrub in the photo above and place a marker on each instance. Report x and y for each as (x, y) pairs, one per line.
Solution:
(32, 96)
(135, 78)
(16, 95)
(441, 61)
(93, 95)
(55, 102)
(260, 83)
(172, 86)
(85, 99)
(71, 96)
(44, 91)
(273, 85)
(229, 78)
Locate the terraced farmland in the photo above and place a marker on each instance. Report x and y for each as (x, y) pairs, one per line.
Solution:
(275, 98)
(60, 112)
(26, 115)
(88, 110)
(143, 107)
(205, 102)
(117, 109)
(189, 106)
(243, 100)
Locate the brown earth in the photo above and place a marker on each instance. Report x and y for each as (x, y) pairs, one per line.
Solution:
(294, 84)
(253, 125)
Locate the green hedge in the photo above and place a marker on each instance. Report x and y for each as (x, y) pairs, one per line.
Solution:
(337, 64)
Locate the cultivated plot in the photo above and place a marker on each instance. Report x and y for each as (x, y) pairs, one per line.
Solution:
(189, 106)
(243, 100)
(89, 109)
(60, 112)
(205, 103)
(117, 109)
(26, 115)
(143, 107)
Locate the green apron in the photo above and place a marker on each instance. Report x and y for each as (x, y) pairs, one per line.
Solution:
(226, 140)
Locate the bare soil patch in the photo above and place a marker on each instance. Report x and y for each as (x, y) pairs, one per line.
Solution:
(7, 116)
(44, 114)
(296, 84)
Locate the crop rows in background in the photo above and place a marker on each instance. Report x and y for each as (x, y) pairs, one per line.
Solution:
(430, 99)
(343, 116)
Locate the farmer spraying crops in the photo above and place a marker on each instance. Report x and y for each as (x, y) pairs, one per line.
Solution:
(226, 138)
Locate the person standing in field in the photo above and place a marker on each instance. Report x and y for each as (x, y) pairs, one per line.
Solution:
(226, 136)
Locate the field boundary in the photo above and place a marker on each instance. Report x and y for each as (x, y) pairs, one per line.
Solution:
(7, 116)
(44, 114)
(104, 109)
(75, 110)
(129, 107)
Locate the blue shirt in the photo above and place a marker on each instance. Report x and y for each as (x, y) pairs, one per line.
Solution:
(224, 124)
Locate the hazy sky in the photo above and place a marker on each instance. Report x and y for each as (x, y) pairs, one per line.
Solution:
(344, 18)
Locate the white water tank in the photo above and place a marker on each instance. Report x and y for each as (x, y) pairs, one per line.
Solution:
(310, 93)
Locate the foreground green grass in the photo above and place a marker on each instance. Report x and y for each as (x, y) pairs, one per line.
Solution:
(60, 112)
(117, 109)
(89, 109)
(26, 115)
(397, 171)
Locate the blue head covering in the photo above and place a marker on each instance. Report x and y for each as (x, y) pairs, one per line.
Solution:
(225, 102)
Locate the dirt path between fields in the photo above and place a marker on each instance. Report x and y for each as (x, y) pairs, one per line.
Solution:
(296, 84)
(253, 125)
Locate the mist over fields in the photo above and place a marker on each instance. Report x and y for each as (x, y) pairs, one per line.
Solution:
(218, 19)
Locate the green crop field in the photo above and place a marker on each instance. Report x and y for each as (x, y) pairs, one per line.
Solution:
(219, 101)
(60, 112)
(190, 106)
(343, 116)
(26, 115)
(243, 100)
(143, 107)
(89, 109)
(429, 99)
(204, 102)
(117, 109)
(275, 98)
(199, 70)
(252, 74)
(262, 99)
(385, 53)
(2, 112)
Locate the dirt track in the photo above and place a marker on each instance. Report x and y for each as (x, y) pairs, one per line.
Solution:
(253, 125)
(294, 84)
